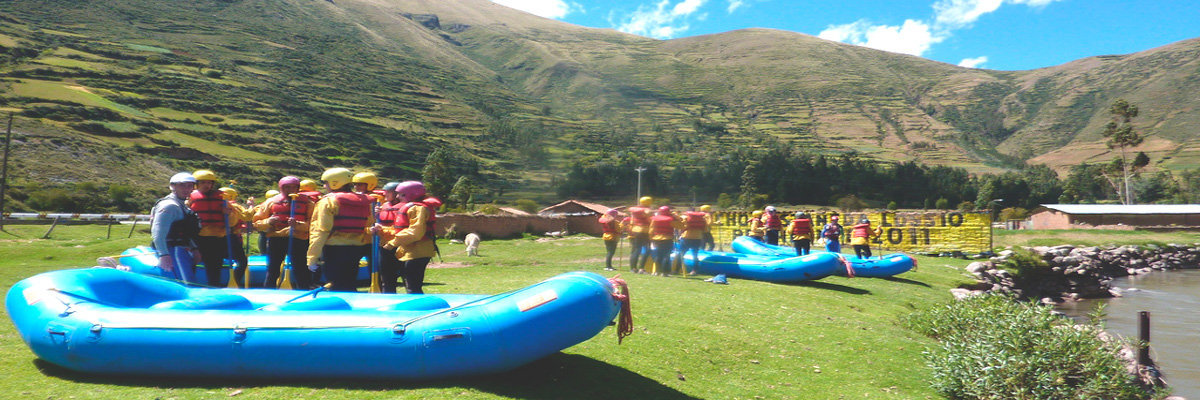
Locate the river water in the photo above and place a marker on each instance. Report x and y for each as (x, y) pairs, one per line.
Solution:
(1173, 300)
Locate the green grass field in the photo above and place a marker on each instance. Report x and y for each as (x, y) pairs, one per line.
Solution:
(833, 338)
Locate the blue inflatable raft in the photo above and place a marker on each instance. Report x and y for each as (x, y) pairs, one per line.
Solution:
(764, 268)
(142, 260)
(876, 267)
(107, 321)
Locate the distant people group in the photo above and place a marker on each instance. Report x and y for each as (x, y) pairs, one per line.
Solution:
(324, 235)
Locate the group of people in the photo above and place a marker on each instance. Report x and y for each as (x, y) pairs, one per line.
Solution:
(324, 234)
(654, 236)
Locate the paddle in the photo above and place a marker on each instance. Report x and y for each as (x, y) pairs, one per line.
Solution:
(285, 278)
(375, 280)
(313, 292)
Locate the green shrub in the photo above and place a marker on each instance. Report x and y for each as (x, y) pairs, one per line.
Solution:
(995, 348)
(526, 205)
(966, 206)
(892, 206)
(1025, 266)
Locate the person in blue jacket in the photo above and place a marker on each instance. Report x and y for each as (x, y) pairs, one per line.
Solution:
(832, 233)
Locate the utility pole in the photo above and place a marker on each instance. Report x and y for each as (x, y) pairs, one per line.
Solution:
(4, 168)
(639, 185)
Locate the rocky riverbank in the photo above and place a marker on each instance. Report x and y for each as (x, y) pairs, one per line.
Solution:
(1066, 273)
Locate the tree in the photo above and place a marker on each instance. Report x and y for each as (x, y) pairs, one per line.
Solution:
(460, 194)
(1120, 134)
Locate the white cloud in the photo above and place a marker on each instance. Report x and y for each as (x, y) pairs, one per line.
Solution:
(913, 37)
(976, 62)
(661, 20)
(734, 5)
(556, 9)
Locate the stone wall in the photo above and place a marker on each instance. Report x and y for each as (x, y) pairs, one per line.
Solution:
(500, 226)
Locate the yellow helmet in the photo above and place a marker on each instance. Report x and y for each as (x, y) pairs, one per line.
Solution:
(368, 178)
(756, 213)
(229, 193)
(645, 201)
(204, 175)
(271, 193)
(337, 177)
(706, 208)
(308, 185)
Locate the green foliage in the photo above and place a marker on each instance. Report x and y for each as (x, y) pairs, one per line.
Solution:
(851, 203)
(489, 209)
(942, 204)
(892, 206)
(995, 348)
(444, 167)
(527, 205)
(725, 201)
(966, 206)
(1013, 213)
(1025, 266)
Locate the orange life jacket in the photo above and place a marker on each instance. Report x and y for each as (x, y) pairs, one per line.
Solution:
(695, 220)
(773, 222)
(312, 195)
(210, 208)
(801, 226)
(640, 215)
(388, 213)
(354, 210)
(661, 225)
(281, 207)
(431, 203)
(861, 230)
(608, 224)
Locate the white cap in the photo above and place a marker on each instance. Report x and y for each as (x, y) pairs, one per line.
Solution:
(183, 177)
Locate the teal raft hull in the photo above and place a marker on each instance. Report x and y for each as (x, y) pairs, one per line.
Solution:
(112, 322)
(142, 260)
(764, 268)
(874, 267)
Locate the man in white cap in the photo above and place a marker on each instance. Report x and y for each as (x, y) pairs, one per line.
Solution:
(174, 227)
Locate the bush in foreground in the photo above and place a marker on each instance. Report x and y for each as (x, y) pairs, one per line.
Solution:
(996, 348)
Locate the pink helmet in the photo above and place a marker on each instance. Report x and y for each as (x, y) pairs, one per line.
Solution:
(664, 210)
(612, 212)
(288, 180)
(411, 190)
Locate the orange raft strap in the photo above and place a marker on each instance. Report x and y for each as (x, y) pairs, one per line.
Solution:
(625, 317)
(849, 266)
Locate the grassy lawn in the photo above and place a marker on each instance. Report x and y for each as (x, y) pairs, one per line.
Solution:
(828, 339)
(1083, 237)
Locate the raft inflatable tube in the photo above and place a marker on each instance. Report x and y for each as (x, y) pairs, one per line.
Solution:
(873, 267)
(142, 260)
(764, 268)
(113, 322)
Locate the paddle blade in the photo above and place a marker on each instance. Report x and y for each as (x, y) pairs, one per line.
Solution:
(285, 280)
(232, 279)
(376, 287)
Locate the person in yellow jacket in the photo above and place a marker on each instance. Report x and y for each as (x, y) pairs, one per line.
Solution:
(695, 226)
(662, 235)
(239, 222)
(801, 230)
(639, 234)
(414, 232)
(284, 220)
(757, 230)
(860, 237)
(340, 232)
(610, 225)
(709, 242)
(212, 209)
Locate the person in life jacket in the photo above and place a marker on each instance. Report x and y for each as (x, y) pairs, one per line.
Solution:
(709, 243)
(414, 230)
(610, 226)
(662, 235)
(262, 236)
(214, 213)
(389, 265)
(772, 223)
(801, 230)
(639, 237)
(860, 238)
(174, 227)
(756, 229)
(340, 230)
(831, 233)
(284, 220)
(239, 222)
(366, 182)
(308, 187)
(695, 225)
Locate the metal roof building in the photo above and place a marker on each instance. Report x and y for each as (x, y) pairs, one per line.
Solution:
(1116, 216)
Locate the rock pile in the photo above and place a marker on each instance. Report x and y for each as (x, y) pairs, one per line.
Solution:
(1067, 273)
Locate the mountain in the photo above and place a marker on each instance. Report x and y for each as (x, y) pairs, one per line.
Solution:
(135, 89)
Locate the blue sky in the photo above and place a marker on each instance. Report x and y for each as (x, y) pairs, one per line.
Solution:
(992, 34)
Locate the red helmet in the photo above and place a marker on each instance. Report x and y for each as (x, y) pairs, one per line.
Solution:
(664, 210)
(833, 218)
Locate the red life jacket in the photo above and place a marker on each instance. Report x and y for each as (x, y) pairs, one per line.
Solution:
(773, 221)
(695, 220)
(210, 208)
(801, 227)
(608, 224)
(861, 230)
(640, 215)
(354, 210)
(388, 213)
(661, 225)
(429, 202)
(628, 223)
(281, 207)
(312, 195)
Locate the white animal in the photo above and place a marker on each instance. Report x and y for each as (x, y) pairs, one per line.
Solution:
(472, 245)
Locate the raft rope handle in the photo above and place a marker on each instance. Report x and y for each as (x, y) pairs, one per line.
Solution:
(625, 316)
(849, 266)
(401, 327)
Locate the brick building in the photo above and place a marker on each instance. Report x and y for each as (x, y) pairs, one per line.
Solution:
(1116, 216)
(581, 216)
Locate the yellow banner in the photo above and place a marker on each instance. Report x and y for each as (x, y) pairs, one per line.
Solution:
(924, 232)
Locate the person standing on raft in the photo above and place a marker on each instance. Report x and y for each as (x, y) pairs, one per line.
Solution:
(284, 218)
(610, 225)
(802, 233)
(772, 223)
(414, 228)
(239, 222)
(860, 238)
(174, 227)
(340, 230)
(213, 211)
(832, 234)
(639, 236)
(756, 229)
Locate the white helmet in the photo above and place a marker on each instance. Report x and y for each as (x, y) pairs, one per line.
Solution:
(183, 177)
